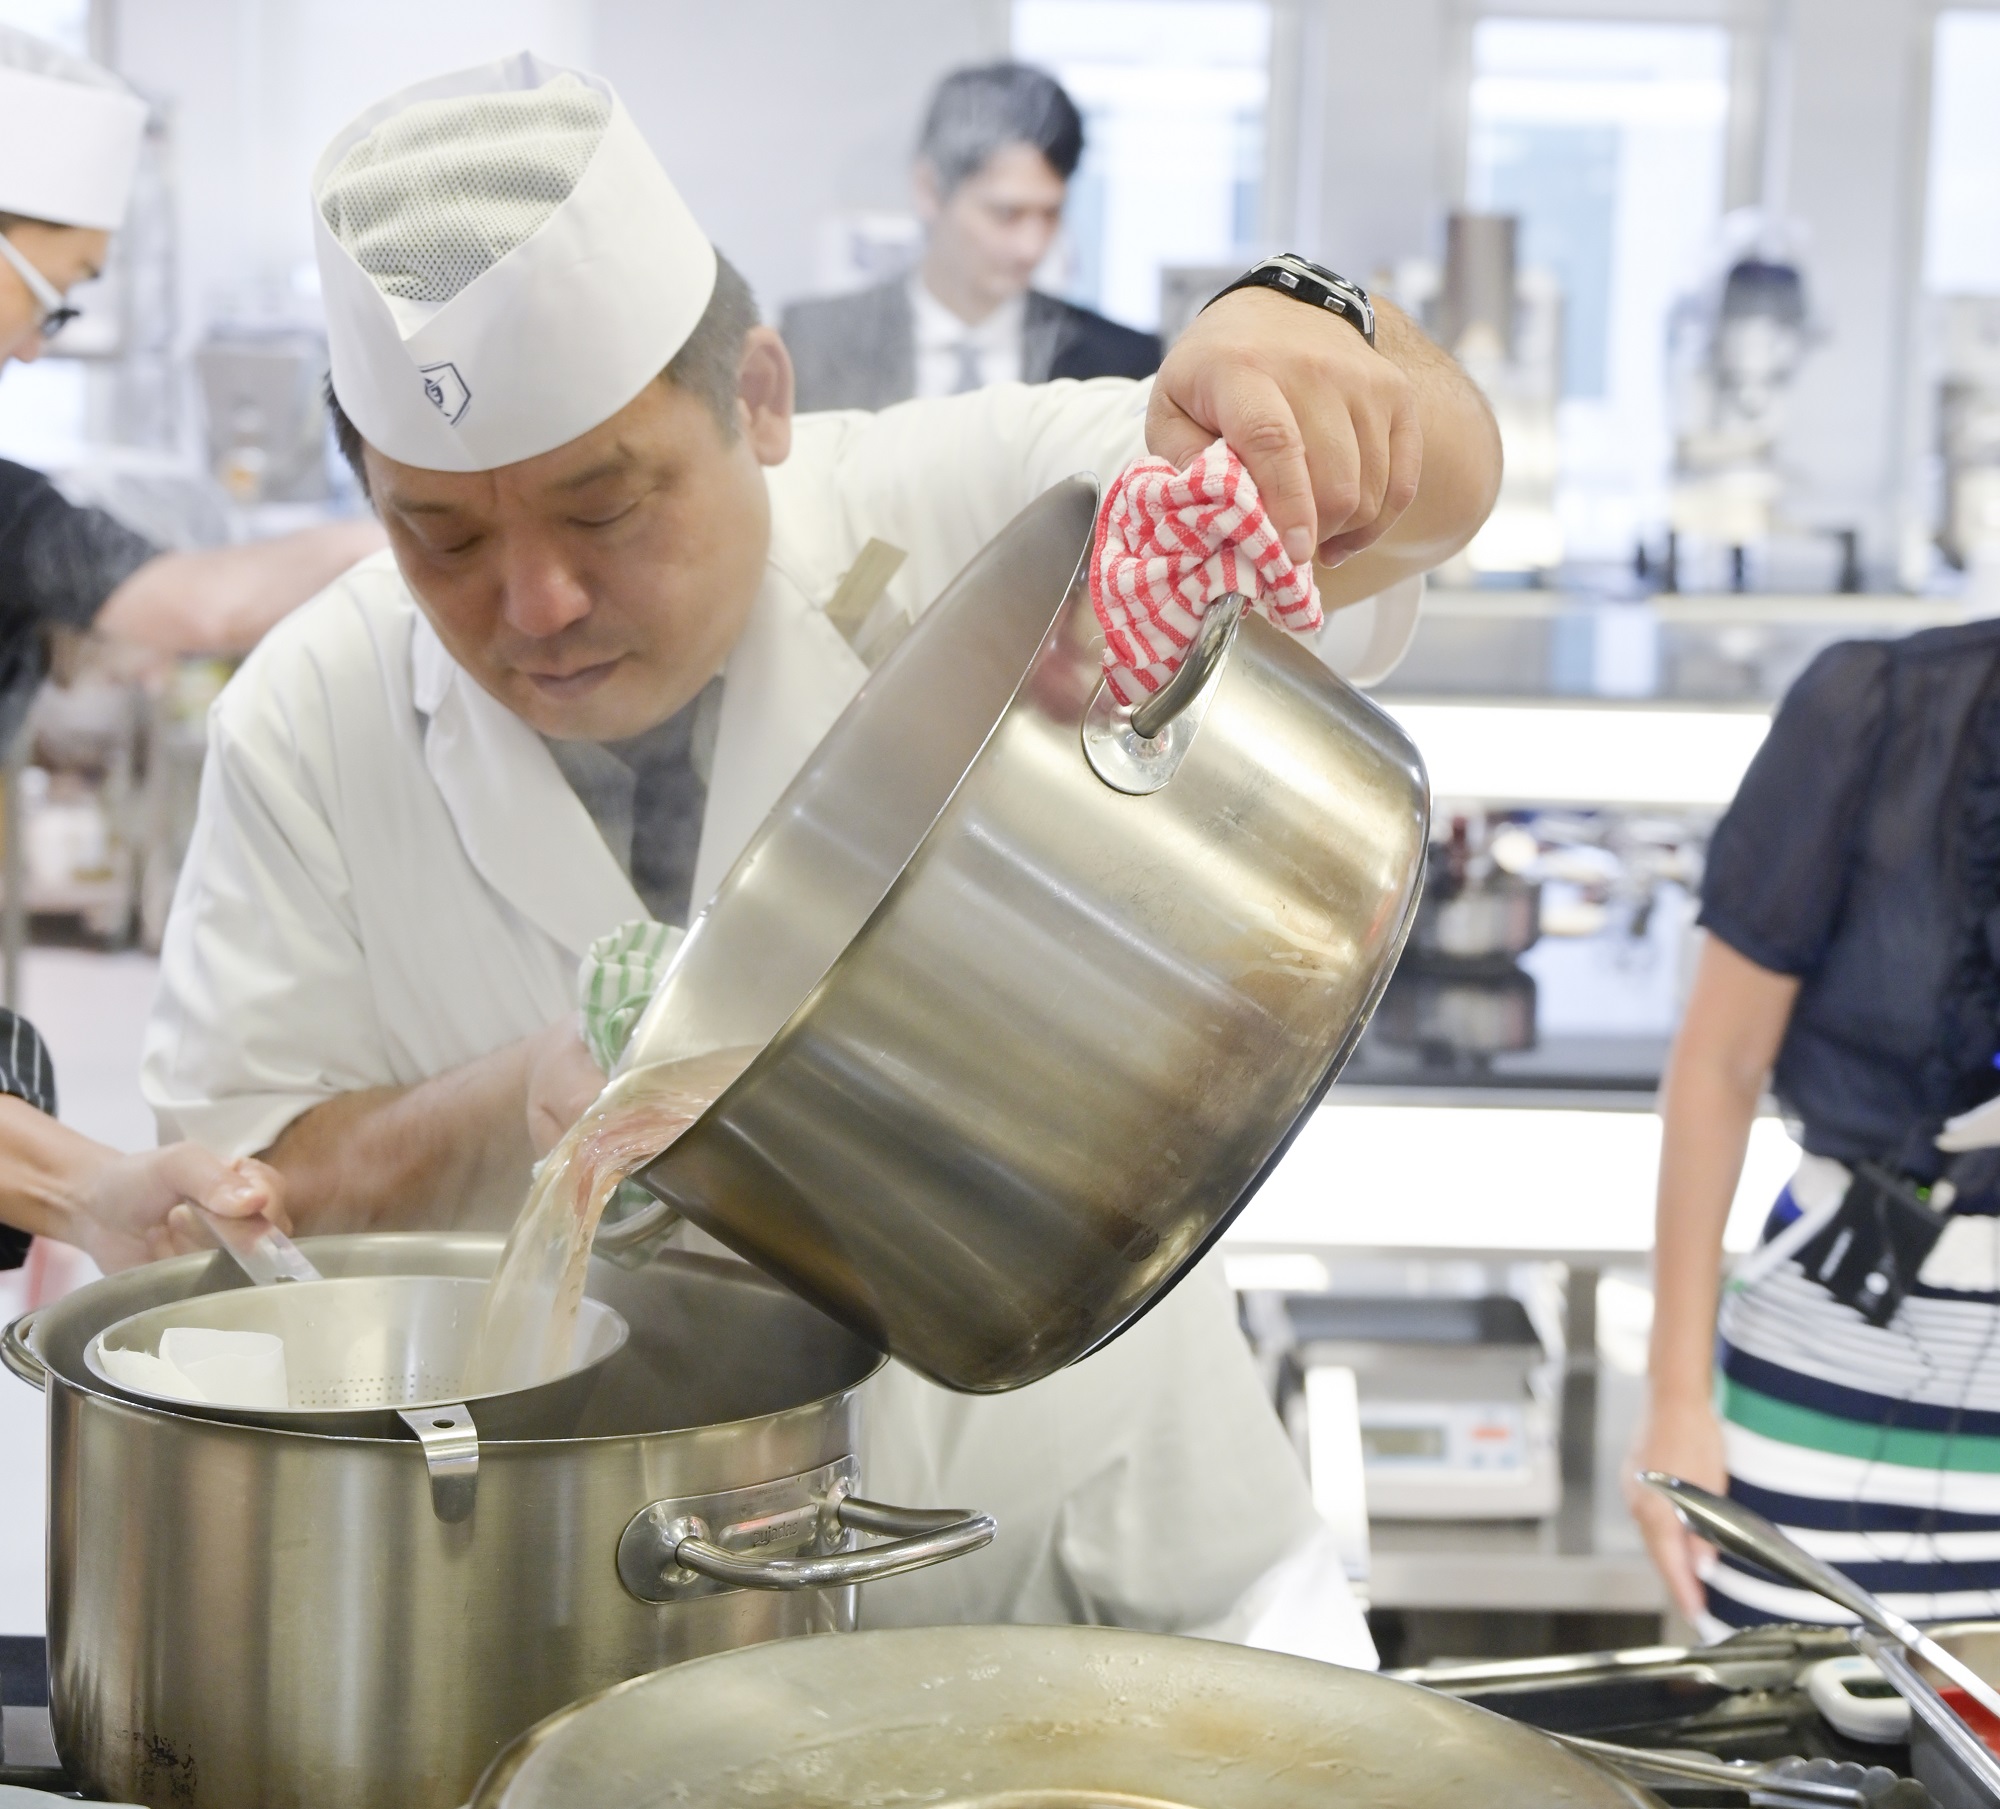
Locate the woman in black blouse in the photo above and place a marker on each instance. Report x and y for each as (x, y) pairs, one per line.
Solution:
(1848, 1383)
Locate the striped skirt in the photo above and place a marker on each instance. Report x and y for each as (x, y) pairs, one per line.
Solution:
(1876, 1448)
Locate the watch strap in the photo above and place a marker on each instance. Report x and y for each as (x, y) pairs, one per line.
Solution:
(1311, 283)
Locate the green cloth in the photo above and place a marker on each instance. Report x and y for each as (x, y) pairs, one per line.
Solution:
(615, 981)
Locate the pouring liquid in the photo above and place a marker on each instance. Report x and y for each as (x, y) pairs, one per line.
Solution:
(527, 1329)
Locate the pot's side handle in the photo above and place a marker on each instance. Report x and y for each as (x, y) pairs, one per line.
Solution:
(946, 1533)
(675, 1550)
(19, 1357)
(1138, 750)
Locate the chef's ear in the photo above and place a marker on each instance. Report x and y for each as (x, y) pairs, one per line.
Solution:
(764, 395)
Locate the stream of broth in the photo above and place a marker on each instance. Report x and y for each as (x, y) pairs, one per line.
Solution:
(527, 1330)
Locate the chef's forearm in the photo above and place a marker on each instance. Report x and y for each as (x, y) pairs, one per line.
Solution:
(1714, 1082)
(1459, 479)
(451, 1152)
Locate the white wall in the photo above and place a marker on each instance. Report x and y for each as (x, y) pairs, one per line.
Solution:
(772, 114)
(768, 113)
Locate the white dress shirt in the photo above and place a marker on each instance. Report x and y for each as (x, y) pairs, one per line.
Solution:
(954, 355)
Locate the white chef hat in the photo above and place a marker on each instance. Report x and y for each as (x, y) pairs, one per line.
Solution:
(504, 264)
(69, 135)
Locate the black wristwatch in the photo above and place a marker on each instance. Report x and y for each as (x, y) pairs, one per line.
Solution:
(1290, 274)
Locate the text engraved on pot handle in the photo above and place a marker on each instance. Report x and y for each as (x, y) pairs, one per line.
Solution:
(665, 1557)
(18, 1356)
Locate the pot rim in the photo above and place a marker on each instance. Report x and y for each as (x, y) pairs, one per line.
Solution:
(95, 1388)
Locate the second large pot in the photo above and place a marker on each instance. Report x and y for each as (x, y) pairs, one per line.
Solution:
(245, 1618)
(1038, 1001)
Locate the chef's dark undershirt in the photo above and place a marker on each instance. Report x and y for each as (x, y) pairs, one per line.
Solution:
(1862, 857)
(58, 564)
(26, 1073)
(647, 796)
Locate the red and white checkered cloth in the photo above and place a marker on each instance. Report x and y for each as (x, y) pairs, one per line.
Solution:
(1168, 544)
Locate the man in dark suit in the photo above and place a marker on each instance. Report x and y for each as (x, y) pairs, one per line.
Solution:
(999, 146)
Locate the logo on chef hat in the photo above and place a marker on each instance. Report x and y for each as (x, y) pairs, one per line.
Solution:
(446, 390)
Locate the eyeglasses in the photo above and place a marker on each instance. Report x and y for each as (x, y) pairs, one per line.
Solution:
(56, 313)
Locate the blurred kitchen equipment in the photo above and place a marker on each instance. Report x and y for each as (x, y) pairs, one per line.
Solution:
(1750, 1536)
(1031, 1038)
(1458, 996)
(1460, 1394)
(1505, 326)
(1969, 438)
(1034, 1718)
(245, 1616)
(264, 411)
(1944, 1753)
(1735, 351)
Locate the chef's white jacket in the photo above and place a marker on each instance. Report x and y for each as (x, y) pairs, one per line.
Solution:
(389, 877)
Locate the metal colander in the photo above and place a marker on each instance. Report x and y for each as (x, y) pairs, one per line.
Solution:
(358, 1348)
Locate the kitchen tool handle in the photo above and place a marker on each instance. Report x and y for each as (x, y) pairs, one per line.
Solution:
(1211, 642)
(928, 1536)
(15, 1353)
(262, 1251)
(1771, 1786)
(1749, 1535)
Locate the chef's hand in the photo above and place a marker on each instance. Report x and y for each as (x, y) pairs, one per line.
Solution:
(1685, 1441)
(1327, 425)
(134, 1209)
(563, 1081)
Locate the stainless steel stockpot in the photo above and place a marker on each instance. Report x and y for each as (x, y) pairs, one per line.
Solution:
(1035, 1718)
(244, 1616)
(1039, 998)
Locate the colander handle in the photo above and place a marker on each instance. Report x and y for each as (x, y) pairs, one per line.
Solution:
(16, 1354)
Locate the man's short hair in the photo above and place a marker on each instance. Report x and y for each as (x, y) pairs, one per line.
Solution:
(707, 365)
(976, 112)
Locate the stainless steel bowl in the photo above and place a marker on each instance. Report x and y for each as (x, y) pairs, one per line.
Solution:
(1039, 1001)
(1034, 1718)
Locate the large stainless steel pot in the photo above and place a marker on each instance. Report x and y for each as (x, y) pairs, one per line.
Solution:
(243, 1616)
(1035, 1718)
(1039, 1001)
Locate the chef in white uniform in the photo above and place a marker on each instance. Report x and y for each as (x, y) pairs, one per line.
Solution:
(608, 533)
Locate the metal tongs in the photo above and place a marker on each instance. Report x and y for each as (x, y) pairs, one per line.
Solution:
(1780, 1783)
(1885, 1635)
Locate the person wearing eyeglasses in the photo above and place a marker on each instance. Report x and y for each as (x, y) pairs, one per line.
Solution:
(69, 144)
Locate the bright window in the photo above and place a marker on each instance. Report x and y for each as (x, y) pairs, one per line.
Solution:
(1173, 96)
(1962, 241)
(1608, 141)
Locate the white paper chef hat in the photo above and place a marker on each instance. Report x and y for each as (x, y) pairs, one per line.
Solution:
(69, 135)
(504, 263)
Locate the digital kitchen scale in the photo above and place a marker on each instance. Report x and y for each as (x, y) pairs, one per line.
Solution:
(1458, 1399)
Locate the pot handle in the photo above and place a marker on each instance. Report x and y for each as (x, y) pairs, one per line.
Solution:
(663, 1554)
(927, 1536)
(1138, 750)
(19, 1357)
